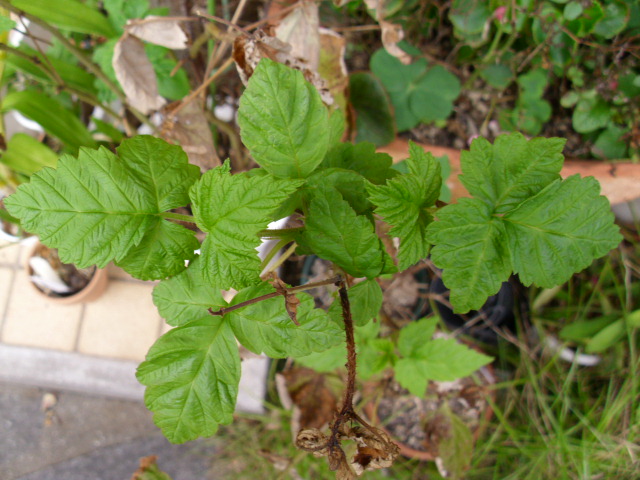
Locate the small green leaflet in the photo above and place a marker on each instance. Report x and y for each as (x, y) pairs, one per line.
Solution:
(404, 202)
(187, 296)
(192, 375)
(266, 327)
(283, 121)
(334, 232)
(235, 207)
(365, 300)
(100, 206)
(531, 222)
(424, 359)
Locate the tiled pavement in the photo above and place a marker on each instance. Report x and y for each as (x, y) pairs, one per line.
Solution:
(92, 347)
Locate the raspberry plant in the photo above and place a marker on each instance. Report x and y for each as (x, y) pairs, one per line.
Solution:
(99, 207)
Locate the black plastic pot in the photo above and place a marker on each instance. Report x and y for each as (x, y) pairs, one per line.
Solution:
(496, 313)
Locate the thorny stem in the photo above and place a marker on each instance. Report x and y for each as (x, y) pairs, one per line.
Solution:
(347, 402)
(300, 288)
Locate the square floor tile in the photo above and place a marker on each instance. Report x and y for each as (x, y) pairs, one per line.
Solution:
(123, 323)
(34, 321)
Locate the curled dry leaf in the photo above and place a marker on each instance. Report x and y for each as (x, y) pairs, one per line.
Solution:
(300, 29)
(159, 30)
(136, 75)
(190, 129)
(314, 441)
(392, 33)
(375, 449)
(249, 50)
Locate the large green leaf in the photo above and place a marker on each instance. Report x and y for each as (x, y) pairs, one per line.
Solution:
(365, 301)
(187, 296)
(282, 121)
(233, 209)
(560, 231)
(404, 203)
(266, 326)
(512, 169)
(192, 375)
(26, 155)
(530, 222)
(70, 15)
(52, 116)
(96, 208)
(470, 245)
(334, 232)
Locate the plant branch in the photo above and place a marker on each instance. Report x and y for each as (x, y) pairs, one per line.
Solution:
(288, 291)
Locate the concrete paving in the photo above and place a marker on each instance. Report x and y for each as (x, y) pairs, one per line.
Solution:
(82, 437)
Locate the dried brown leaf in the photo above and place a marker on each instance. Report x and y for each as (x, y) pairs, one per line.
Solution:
(392, 33)
(136, 75)
(310, 394)
(249, 50)
(300, 29)
(162, 31)
(190, 129)
(375, 449)
(314, 441)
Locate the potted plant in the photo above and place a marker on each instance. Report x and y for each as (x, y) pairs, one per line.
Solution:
(63, 283)
(117, 206)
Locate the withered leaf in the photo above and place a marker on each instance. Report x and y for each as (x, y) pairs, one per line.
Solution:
(300, 29)
(314, 441)
(310, 394)
(136, 75)
(159, 30)
(249, 50)
(190, 129)
(375, 449)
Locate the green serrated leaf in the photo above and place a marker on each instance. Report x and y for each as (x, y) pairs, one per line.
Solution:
(266, 326)
(187, 296)
(415, 336)
(98, 207)
(283, 121)
(334, 232)
(441, 360)
(560, 231)
(192, 375)
(363, 159)
(70, 15)
(365, 300)
(512, 169)
(404, 201)
(351, 185)
(235, 207)
(469, 244)
(161, 253)
(523, 219)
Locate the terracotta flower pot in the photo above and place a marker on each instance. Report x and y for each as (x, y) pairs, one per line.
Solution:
(619, 181)
(88, 293)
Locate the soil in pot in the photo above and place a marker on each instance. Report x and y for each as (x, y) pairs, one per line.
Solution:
(425, 427)
(63, 281)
